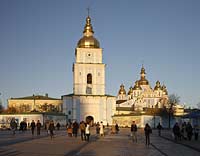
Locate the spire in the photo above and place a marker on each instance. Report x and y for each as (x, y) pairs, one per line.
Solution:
(143, 80)
(88, 30)
(88, 40)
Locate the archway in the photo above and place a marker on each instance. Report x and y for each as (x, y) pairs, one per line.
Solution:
(89, 119)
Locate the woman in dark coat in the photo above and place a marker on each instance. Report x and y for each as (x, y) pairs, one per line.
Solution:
(147, 131)
(51, 128)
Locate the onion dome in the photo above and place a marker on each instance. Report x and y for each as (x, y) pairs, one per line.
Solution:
(143, 80)
(158, 86)
(88, 40)
(122, 90)
(164, 89)
(130, 91)
(137, 86)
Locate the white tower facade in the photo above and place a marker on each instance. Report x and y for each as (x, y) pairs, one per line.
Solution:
(89, 101)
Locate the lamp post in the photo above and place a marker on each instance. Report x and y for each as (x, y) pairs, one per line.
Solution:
(154, 118)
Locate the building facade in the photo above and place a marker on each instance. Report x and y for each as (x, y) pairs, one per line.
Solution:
(89, 100)
(142, 96)
(35, 103)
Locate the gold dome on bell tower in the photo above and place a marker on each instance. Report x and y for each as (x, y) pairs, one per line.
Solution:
(88, 40)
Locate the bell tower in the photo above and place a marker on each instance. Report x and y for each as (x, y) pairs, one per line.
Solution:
(88, 69)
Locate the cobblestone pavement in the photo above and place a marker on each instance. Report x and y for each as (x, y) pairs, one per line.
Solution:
(109, 145)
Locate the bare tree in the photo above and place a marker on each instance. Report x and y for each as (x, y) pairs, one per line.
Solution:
(174, 99)
(198, 105)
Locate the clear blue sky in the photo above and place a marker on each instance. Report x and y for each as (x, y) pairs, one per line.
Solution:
(38, 40)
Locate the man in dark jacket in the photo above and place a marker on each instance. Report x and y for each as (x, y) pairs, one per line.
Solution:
(134, 131)
(32, 127)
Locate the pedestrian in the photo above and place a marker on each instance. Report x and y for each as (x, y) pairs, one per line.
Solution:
(196, 132)
(101, 129)
(159, 127)
(97, 128)
(58, 126)
(147, 131)
(38, 126)
(189, 130)
(134, 131)
(82, 128)
(75, 127)
(113, 129)
(51, 129)
(116, 128)
(69, 130)
(176, 131)
(32, 127)
(87, 132)
(13, 125)
(183, 131)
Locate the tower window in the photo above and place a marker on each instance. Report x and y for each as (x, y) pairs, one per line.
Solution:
(88, 90)
(89, 78)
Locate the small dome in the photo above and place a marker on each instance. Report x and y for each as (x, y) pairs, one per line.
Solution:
(122, 91)
(158, 86)
(164, 90)
(143, 80)
(137, 86)
(130, 91)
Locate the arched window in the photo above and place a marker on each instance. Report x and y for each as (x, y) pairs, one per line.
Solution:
(89, 78)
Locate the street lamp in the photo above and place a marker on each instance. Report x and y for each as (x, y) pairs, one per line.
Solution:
(154, 118)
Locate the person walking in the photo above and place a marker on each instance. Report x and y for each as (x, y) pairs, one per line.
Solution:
(32, 127)
(147, 131)
(82, 128)
(116, 128)
(51, 129)
(159, 127)
(13, 125)
(176, 131)
(38, 126)
(196, 132)
(97, 128)
(189, 130)
(58, 126)
(134, 131)
(101, 129)
(87, 132)
(75, 127)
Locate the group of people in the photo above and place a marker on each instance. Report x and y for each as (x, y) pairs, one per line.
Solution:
(185, 131)
(72, 130)
(147, 132)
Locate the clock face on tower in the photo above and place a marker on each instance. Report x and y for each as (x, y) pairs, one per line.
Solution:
(89, 54)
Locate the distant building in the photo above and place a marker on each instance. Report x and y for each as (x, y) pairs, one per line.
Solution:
(142, 96)
(142, 103)
(35, 103)
(88, 100)
(36, 107)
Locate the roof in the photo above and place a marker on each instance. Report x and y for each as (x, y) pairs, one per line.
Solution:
(194, 114)
(35, 97)
(88, 95)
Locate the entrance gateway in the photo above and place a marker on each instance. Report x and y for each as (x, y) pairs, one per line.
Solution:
(89, 119)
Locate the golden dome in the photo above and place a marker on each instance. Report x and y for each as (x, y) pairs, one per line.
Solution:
(130, 91)
(158, 86)
(122, 90)
(88, 40)
(143, 80)
(164, 88)
(137, 86)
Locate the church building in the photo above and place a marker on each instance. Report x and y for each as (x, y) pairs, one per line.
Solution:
(88, 100)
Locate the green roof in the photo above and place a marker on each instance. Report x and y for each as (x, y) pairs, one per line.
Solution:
(35, 97)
